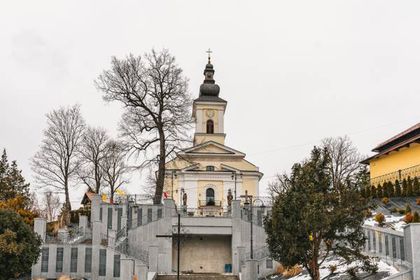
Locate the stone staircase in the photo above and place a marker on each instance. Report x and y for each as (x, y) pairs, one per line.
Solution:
(199, 276)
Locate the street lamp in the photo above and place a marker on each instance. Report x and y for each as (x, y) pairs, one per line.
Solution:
(250, 201)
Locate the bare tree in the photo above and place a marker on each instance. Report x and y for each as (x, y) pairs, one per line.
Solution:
(50, 205)
(92, 153)
(55, 164)
(114, 167)
(345, 159)
(154, 91)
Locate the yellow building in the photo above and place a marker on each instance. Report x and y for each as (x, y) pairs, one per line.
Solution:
(209, 171)
(397, 158)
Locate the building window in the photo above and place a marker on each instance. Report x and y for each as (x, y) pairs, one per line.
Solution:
(88, 260)
(100, 214)
(374, 240)
(402, 251)
(269, 263)
(119, 216)
(387, 245)
(210, 127)
(102, 262)
(129, 218)
(210, 196)
(380, 242)
(159, 213)
(139, 216)
(110, 217)
(394, 248)
(59, 262)
(73, 260)
(368, 239)
(210, 168)
(149, 215)
(259, 217)
(44, 259)
(117, 265)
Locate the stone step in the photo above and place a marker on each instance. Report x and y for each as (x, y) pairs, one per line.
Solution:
(198, 276)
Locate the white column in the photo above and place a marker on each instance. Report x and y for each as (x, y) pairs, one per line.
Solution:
(412, 246)
(40, 227)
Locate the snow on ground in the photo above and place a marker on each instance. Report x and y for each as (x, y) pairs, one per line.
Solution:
(384, 270)
(395, 222)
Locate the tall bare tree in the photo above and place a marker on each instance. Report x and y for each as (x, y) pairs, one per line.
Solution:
(56, 163)
(114, 167)
(345, 159)
(50, 205)
(92, 153)
(154, 91)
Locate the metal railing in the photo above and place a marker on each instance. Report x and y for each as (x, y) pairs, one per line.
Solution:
(210, 203)
(210, 211)
(413, 171)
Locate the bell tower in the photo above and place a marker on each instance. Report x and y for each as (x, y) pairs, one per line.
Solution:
(209, 110)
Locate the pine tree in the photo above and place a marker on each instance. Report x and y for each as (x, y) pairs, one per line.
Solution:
(12, 182)
(409, 187)
(416, 186)
(397, 188)
(391, 191)
(379, 191)
(373, 192)
(368, 191)
(404, 187)
(385, 189)
(328, 221)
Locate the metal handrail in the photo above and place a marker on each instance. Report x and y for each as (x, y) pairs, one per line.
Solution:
(413, 171)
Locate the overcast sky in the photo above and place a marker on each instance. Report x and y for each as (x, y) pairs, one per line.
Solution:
(293, 72)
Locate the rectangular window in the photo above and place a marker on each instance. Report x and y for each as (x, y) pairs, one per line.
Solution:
(102, 262)
(88, 260)
(210, 168)
(110, 218)
(59, 262)
(100, 214)
(269, 263)
(149, 215)
(129, 218)
(44, 259)
(380, 242)
(368, 239)
(387, 245)
(159, 213)
(374, 240)
(119, 216)
(73, 260)
(394, 248)
(139, 216)
(117, 265)
(402, 250)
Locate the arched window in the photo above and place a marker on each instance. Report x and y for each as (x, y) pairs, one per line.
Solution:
(209, 196)
(210, 127)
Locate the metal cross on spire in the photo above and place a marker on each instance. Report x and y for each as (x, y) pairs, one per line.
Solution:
(209, 53)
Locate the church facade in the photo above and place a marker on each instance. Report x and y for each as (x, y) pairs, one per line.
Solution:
(211, 209)
(210, 172)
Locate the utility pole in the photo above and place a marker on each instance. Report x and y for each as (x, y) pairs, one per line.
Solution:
(178, 242)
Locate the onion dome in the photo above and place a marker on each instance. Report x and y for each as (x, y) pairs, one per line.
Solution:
(209, 86)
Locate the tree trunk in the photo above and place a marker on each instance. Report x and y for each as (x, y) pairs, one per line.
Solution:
(161, 170)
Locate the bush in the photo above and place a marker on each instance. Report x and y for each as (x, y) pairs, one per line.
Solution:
(397, 188)
(401, 211)
(416, 217)
(380, 218)
(416, 186)
(418, 200)
(332, 268)
(394, 210)
(385, 200)
(407, 209)
(408, 218)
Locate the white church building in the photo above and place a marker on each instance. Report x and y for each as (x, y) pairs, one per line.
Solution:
(211, 189)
